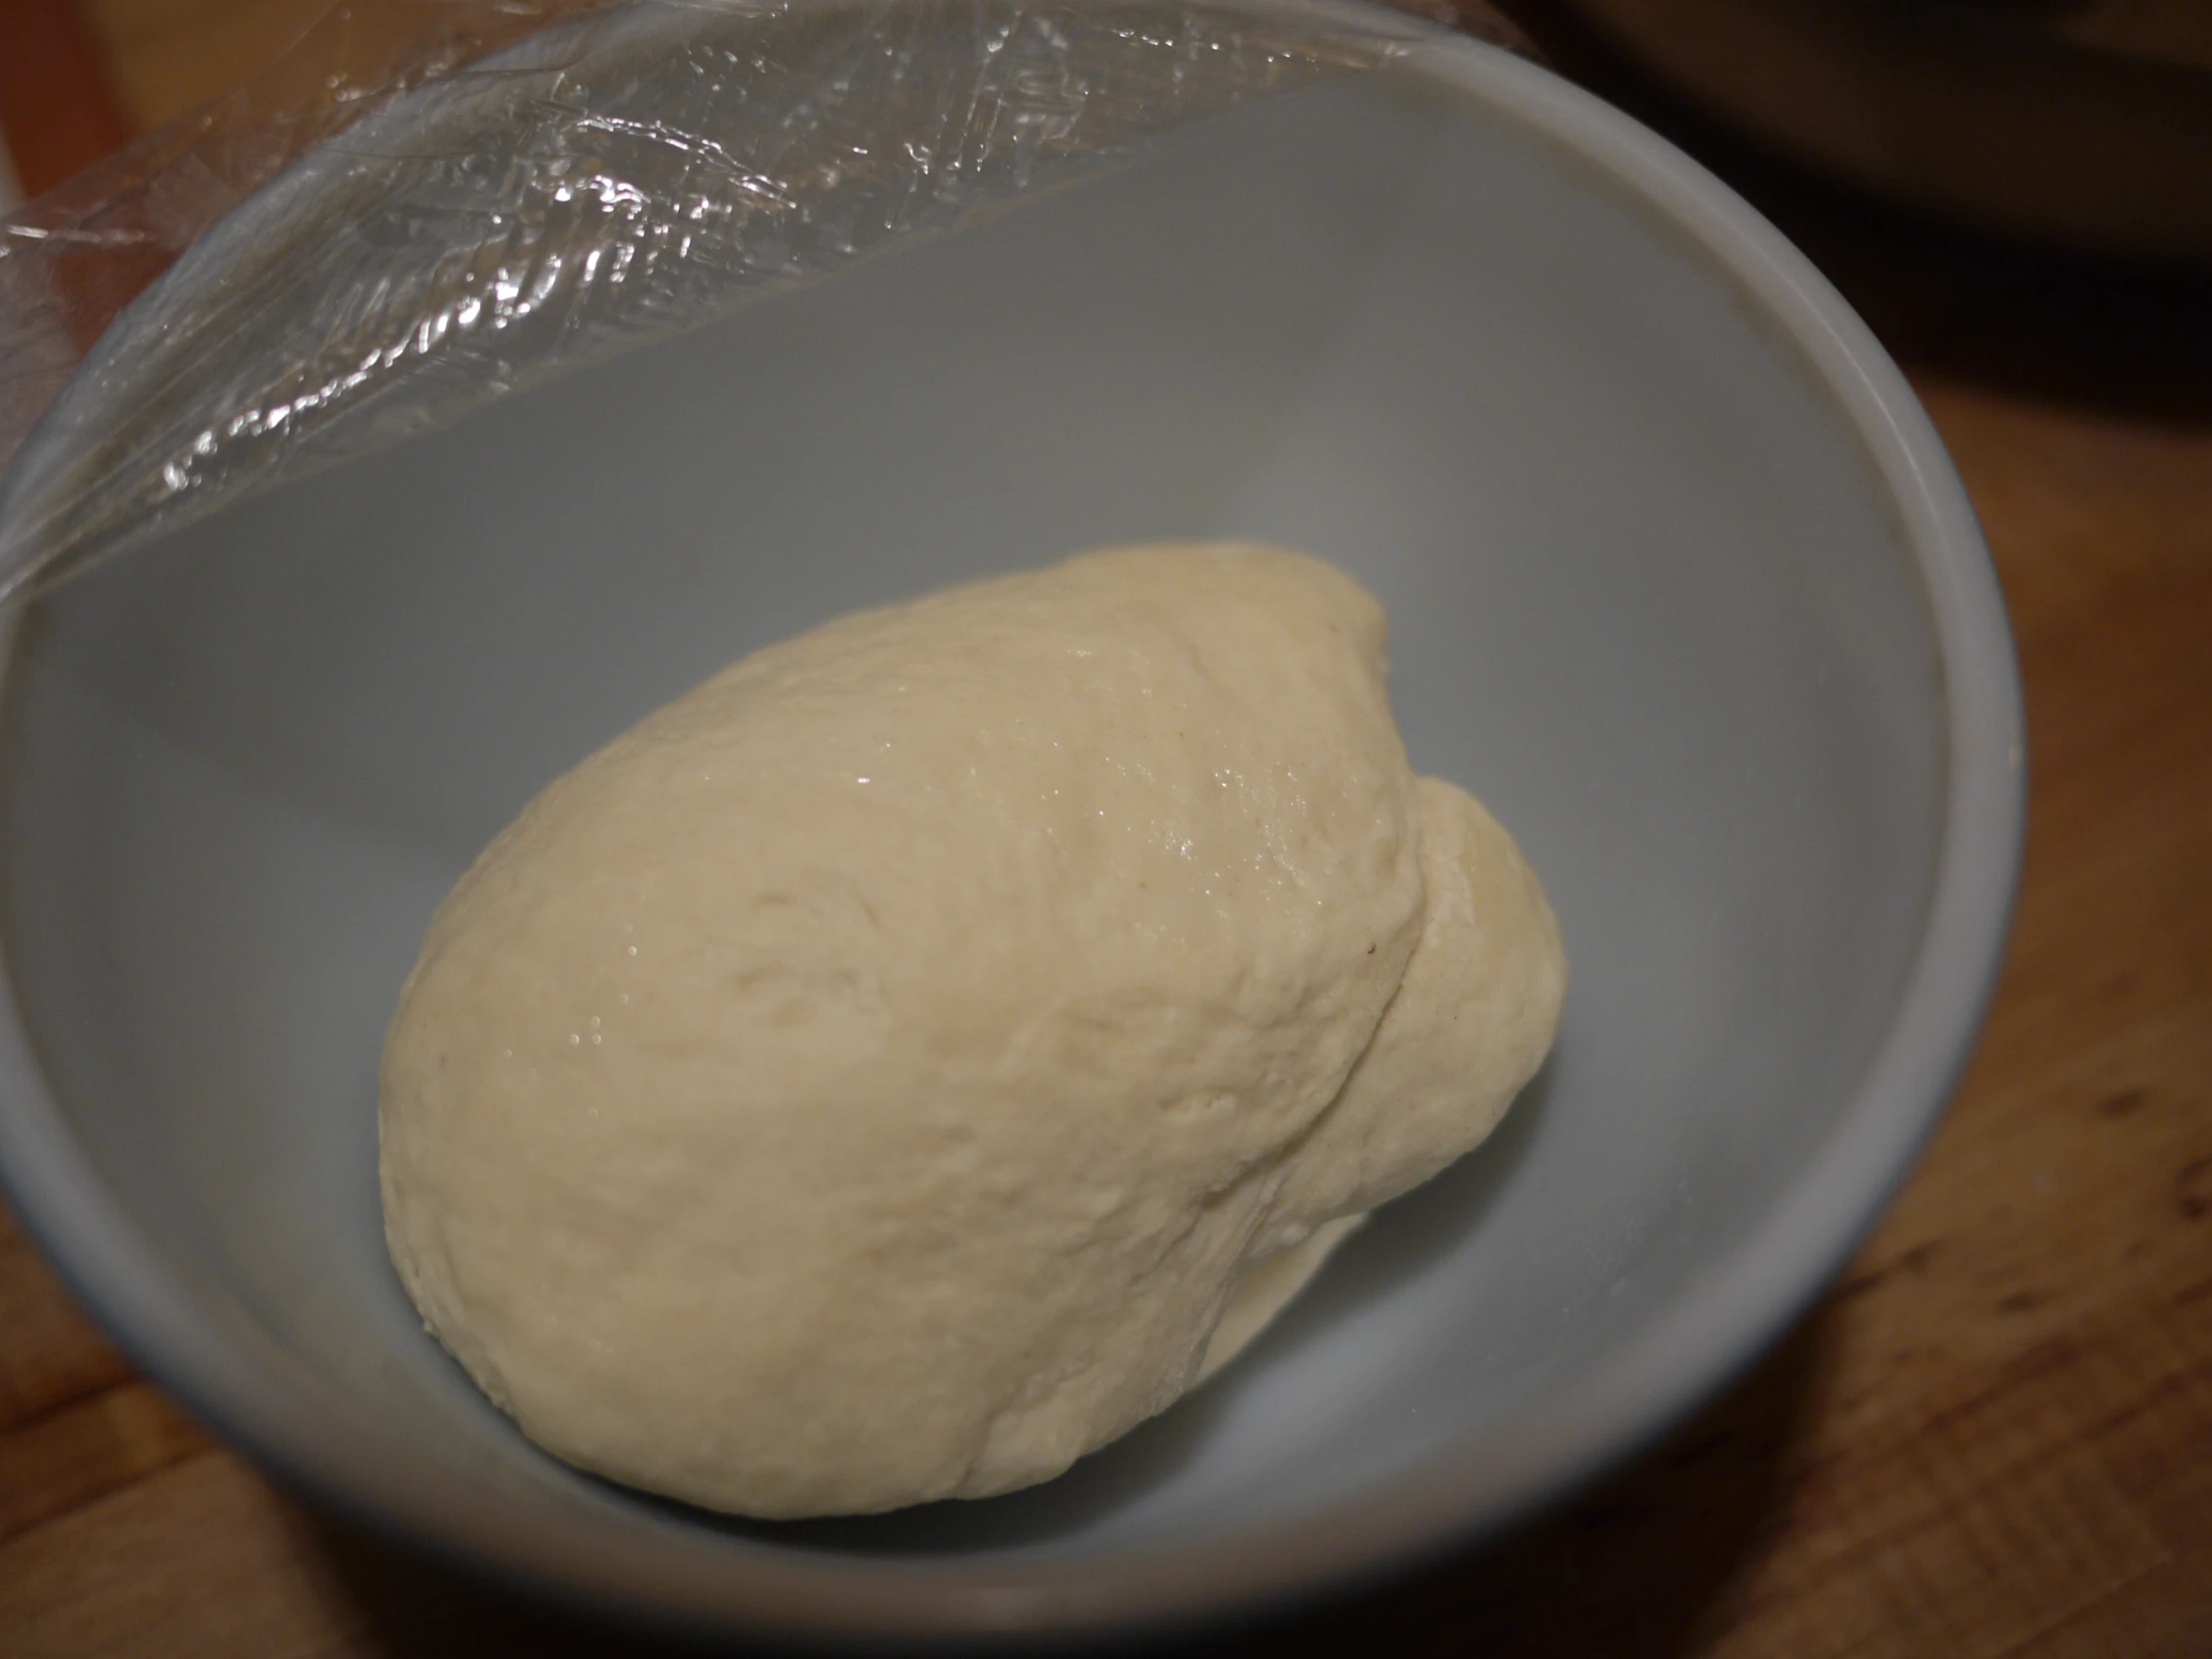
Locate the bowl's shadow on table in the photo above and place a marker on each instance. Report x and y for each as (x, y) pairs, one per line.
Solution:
(1640, 1563)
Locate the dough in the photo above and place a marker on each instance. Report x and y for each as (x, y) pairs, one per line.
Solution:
(899, 1066)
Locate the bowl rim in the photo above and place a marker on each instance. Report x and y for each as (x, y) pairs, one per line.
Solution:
(1689, 1348)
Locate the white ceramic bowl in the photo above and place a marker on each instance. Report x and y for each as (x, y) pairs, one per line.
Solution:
(1681, 582)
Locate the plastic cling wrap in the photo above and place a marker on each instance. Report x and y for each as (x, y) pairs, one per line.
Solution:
(380, 236)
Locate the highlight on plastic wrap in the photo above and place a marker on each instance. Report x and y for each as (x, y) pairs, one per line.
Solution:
(445, 200)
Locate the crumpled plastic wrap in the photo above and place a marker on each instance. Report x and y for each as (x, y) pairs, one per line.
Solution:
(430, 203)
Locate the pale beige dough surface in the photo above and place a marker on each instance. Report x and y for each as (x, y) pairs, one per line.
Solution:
(871, 1078)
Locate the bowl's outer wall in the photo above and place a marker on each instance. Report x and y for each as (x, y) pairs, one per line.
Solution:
(1650, 599)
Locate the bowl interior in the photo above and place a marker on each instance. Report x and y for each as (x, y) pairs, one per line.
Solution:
(1649, 600)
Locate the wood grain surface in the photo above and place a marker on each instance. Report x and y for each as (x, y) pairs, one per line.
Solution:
(1992, 1439)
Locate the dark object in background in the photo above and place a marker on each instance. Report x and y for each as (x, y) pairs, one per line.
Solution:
(2086, 123)
(58, 113)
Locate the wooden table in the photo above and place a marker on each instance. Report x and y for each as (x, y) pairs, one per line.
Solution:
(1994, 1438)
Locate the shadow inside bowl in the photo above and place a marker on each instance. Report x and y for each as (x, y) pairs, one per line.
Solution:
(1647, 1561)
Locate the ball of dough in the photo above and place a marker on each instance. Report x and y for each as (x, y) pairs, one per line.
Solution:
(902, 1064)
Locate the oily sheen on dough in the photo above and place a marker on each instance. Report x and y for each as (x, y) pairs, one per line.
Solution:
(905, 1063)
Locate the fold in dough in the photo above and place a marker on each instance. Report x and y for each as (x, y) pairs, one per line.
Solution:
(909, 1060)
